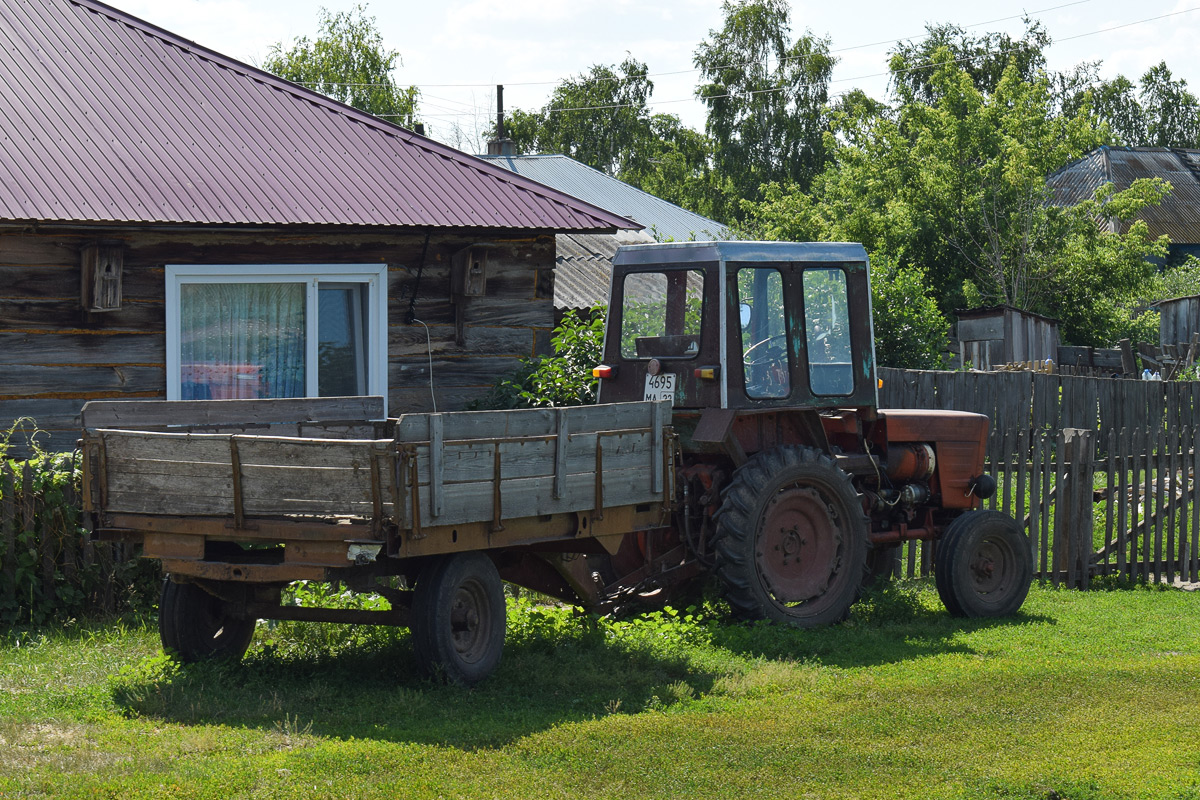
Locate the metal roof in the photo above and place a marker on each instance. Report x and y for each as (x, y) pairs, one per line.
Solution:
(1178, 216)
(583, 266)
(769, 252)
(108, 119)
(661, 219)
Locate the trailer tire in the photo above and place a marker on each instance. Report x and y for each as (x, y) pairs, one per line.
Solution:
(458, 618)
(983, 565)
(781, 504)
(195, 625)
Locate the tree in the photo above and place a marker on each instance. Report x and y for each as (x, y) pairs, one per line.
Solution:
(348, 62)
(957, 188)
(599, 117)
(984, 58)
(1172, 112)
(765, 97)
(1160, 112)
(602, 119)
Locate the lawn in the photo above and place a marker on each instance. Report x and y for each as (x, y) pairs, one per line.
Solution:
(1083, 695)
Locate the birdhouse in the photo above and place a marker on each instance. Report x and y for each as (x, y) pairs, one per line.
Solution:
(101, 265)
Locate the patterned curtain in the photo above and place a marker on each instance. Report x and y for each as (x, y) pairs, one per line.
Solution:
(242, 340)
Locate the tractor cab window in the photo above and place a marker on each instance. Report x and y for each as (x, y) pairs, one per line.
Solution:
(660, 314)
(764, 333)
(827, 330)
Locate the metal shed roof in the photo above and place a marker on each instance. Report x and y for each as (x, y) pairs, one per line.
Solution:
(108, 119)
(660, 217)
(1178, 216)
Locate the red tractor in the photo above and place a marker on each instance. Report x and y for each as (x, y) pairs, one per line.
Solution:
(791, 484)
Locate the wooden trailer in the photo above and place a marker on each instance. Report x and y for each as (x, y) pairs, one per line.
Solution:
(239, 497)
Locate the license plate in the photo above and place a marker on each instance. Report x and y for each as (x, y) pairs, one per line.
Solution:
(660, 387)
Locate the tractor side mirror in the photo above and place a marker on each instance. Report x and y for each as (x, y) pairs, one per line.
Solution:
(744, 313)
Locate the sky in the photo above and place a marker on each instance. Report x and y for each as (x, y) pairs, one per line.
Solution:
(456, 51)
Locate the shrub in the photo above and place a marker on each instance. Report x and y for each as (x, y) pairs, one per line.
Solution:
(49, 568)
(563, 378)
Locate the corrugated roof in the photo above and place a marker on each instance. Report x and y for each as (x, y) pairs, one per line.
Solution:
(661, 218)
(583, 266)
(1178, 216)
(108, 119)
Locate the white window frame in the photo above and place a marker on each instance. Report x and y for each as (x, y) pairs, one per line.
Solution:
(373, 275)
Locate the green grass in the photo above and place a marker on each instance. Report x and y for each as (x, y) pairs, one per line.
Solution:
(1083, 695)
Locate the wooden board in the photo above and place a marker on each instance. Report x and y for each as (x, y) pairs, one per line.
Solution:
(137, 414)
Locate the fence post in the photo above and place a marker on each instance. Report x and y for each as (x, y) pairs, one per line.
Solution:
(8, 529)
(1073, 514)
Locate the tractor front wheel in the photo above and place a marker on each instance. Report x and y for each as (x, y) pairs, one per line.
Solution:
(983, 565)
(791, 538)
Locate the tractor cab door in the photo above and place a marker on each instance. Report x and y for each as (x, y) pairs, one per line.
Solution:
(665, 331)
(802, 336)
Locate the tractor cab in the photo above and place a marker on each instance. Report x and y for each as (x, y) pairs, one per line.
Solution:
(740, 325)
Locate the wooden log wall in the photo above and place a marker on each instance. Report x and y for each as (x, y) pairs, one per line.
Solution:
(54, 355)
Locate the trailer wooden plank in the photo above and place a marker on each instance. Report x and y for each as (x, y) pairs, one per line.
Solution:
(562, 432)
(525, 497)
(465, 462)
(526, 422)
(436, 467)
(139, 413)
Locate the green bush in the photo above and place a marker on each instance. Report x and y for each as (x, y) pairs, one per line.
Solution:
(50, 571)
(563, 378)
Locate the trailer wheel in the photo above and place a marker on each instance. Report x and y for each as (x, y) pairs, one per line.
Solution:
(983, 565)
(791, 539)
(458, 618)
(195, 625)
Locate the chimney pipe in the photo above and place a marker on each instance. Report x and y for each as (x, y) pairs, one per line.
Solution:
(501, 145)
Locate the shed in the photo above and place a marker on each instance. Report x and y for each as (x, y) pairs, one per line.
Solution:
(177, 224)
(989, 337)
(1178, 216)
(1179, 319)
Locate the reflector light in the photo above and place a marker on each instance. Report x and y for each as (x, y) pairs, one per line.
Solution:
(706, 373)
(602, 372)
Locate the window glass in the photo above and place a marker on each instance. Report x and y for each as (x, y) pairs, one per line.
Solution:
(660, 314)
(341, 339)
(764, 333)
(241, 340)
(827, 328)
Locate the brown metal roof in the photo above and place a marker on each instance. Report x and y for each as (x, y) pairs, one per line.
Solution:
(1178, 216)
(108, 119)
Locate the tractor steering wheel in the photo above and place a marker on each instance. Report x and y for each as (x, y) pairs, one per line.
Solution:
(767, 355)
(766, 371)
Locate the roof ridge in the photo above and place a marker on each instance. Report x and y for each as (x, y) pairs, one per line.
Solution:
(304, 93)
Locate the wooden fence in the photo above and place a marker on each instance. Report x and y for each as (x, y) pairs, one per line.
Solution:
(1101, 472)
(47, 563)
(1017, 401)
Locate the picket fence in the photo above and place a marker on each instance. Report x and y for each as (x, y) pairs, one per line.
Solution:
(1099, 471)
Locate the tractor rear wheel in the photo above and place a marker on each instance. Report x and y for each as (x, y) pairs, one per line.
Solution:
(983, 565)
(458, 618)
(791, 538)
(195, 625)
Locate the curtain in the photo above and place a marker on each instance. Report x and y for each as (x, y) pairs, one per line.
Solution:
(242, 340)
